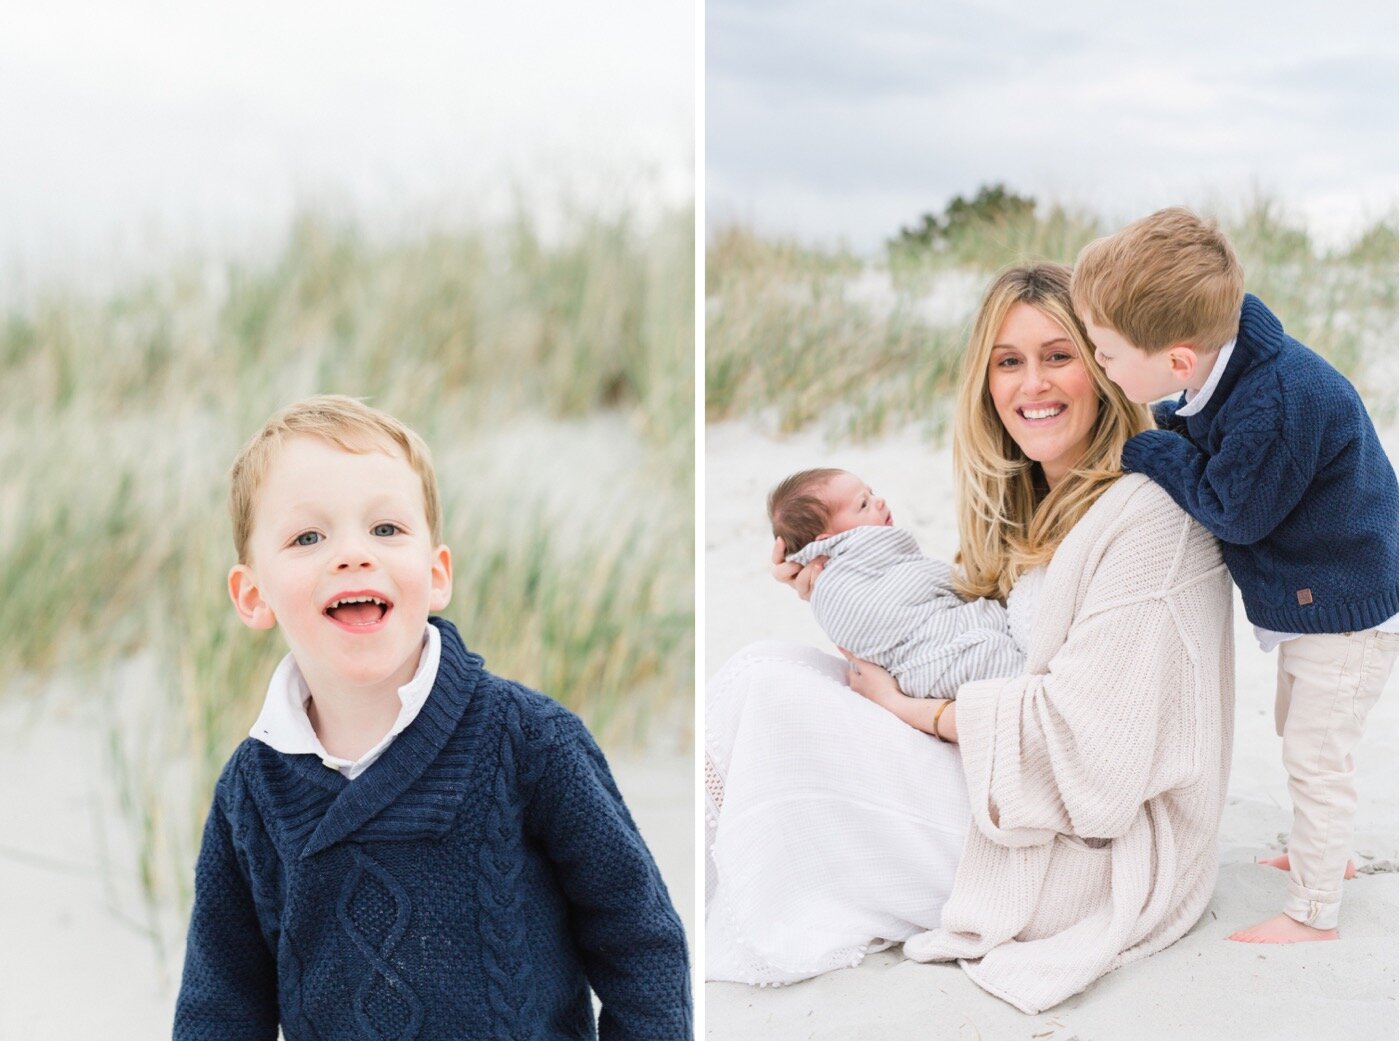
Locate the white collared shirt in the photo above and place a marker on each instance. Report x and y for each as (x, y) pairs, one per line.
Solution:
(1268, 639)
(285, 725)
(1196, 401)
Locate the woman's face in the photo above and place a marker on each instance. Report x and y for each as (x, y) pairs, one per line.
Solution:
(1042, 390)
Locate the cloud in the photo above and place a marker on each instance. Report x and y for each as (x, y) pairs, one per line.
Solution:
(830, 113)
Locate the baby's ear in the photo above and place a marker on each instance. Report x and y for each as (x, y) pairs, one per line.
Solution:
(247, 599)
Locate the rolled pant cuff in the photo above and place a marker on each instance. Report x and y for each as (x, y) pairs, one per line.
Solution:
(1310, 911)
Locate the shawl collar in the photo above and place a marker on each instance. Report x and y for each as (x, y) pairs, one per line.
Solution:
(1260, 338)
(392, 776)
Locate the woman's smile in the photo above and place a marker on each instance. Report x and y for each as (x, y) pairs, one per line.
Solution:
(1041, 414)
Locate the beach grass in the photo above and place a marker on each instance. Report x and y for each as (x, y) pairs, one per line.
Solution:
(121, 412)
(799, 335)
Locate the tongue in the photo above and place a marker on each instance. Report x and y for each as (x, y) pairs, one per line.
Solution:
(363, 614)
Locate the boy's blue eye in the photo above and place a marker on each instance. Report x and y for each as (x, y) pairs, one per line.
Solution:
(308, 539)
(385, 529)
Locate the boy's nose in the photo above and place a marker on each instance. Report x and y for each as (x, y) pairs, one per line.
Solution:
(353, 556)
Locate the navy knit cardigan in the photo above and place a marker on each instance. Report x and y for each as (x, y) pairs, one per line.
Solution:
(1284, 467)
(472, 883)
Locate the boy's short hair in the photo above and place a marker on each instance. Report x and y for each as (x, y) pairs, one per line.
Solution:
(796, 510)
(1168, 278)
(348, 424)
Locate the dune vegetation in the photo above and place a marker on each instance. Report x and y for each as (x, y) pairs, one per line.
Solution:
(802, 335)
(552, 377)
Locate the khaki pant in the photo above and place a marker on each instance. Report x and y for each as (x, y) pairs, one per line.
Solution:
(1327, 683)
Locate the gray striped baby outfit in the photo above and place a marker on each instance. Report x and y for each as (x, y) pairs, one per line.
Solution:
(881, 599)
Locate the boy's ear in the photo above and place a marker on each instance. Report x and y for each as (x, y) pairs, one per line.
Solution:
(1182, 359)
(441, 590)
(247, 599)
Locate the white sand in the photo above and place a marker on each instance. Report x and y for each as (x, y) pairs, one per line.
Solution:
(1203, 987)
(76, 961)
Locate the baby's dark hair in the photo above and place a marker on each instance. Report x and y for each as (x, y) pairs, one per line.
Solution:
(797, 511)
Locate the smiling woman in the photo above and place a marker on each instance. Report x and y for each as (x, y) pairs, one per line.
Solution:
(1009, 825)
(1023, 481)
(1042, 390)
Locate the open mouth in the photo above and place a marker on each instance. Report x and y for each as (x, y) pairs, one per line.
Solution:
(1035, 413)
(358, 612)
(889, 519)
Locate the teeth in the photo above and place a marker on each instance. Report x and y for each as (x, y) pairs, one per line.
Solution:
(1041, 414)
(357, 600)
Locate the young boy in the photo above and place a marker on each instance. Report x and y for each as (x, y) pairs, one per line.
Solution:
(1271, 449)
(880, 598)
(406, 846)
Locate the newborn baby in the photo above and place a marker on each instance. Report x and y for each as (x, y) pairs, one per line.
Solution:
(879, 597)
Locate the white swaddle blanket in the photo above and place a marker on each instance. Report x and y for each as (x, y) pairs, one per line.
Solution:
(881, 599)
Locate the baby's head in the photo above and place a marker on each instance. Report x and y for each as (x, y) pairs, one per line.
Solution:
(338, 531)
(1159, 299)
(814, 504)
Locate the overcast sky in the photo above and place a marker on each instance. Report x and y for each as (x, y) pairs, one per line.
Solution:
(842, 121)
(182, 121)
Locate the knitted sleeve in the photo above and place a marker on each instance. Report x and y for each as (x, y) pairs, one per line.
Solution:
(1164, 415)
(229, 985)
(627, 932)
(1242, 492)
(1076, 749)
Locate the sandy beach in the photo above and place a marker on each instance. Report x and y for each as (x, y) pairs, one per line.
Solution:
(1202, 987)
(80, 958)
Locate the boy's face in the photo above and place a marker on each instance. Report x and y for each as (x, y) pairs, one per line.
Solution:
(1144, 377)
(852, 504)
(341, 558)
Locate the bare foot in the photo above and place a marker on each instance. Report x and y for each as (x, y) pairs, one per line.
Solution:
(1282, 862)
(1282, 930)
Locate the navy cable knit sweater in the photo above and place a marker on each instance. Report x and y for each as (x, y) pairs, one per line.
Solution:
(1284, 467)
(472, 883)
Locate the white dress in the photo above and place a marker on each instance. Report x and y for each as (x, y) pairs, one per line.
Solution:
(833, 828)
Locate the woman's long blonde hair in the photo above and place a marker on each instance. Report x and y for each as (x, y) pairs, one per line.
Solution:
(1007, 522)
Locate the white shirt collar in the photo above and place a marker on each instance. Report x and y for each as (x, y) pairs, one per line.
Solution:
(1196, 402)
(284, 725)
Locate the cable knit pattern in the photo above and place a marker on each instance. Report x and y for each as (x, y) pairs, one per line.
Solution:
(1284, 466)
(1097, 780)
(472, 883)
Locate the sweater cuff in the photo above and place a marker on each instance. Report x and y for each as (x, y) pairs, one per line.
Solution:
(1139, 450)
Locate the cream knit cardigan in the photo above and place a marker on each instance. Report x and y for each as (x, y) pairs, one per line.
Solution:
(1097, 780)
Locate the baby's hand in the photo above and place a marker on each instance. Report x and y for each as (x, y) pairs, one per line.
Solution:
(789, 573)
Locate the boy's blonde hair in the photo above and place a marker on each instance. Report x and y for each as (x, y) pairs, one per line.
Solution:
(1166, 279)
(796, 509)
(1008, 525)
(346, 423)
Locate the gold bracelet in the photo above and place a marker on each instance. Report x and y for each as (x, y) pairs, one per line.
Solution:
(946, 703)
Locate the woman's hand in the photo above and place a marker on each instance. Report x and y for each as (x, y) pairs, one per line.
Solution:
(879, 686)
(790, 573)
(873, 682)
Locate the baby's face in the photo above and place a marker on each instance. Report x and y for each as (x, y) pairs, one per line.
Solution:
(853, 504)
(341, 557)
